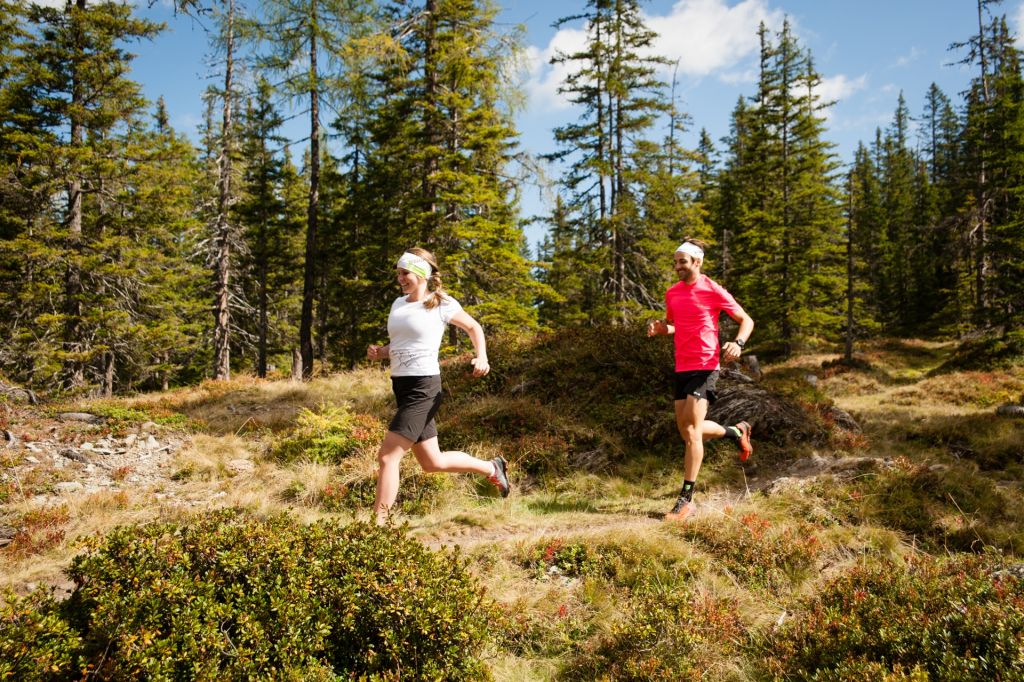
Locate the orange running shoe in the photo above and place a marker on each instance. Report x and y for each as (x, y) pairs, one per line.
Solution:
(746, 447)
(500, 476)
(681, 511)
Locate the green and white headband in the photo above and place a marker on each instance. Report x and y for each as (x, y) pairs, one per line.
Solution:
(415, 265)
(691, 249)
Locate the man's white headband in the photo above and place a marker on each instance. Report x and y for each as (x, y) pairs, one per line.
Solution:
(415, 265)
(691, 249)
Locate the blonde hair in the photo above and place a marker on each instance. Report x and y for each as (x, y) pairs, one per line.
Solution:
(434, 285)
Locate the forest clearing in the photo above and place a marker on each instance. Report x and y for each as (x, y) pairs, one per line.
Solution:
(196, 445)
(925, 488)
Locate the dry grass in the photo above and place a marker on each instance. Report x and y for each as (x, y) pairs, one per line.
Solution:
(249, 404)
(909, 416)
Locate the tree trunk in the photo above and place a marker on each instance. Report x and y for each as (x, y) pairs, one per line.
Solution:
(108, 374)
(848, 351)
(222, 231)
(982, 262)
(312, 213)
(432, 134)
(74, 368)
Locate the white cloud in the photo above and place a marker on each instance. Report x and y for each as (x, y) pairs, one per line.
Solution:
(744, 77)
(1017, 25)
(839, 87)
(908, 59)
(544, 77)
(705, 36)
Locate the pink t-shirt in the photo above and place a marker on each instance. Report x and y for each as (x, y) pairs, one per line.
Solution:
(693, 309)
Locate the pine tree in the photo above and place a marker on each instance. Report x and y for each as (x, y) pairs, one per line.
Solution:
(783, 208)
(898, 173)
(1006, 181)
(304, 38)
(440, 145)
(865, 228)
(73, 86)
(620, 96)
(270, 231)
(978, 145)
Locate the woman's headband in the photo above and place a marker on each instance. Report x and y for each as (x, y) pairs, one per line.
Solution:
(415, 265)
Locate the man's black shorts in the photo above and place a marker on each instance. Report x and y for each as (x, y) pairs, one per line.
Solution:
(699, 383)
(418, 401)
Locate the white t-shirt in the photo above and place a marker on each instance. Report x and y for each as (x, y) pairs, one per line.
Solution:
(416, 334)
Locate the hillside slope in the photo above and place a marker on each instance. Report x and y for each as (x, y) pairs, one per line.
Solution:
(593, 582)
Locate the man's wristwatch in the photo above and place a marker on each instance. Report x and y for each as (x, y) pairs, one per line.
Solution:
(740, 342)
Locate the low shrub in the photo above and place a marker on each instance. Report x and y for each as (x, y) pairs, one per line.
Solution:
(992, 441)
(418, 492)
(555, 555)
(329, 436)
(119, 418)
(228, 596)
(987, 352)
(37, 530)
(957, 618)
(538, 439)
(942, 507)
(36, 642)
(766, 555)
(670, 635)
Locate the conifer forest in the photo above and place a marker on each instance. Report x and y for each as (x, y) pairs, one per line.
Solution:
(133, 258)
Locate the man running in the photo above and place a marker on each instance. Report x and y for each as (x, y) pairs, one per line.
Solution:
(692, 306)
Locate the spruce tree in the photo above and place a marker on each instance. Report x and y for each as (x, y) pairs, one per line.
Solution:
(614, 83)
(304, 39)
(73, 87)
(441, 142)
(271, 231)
(780, 201)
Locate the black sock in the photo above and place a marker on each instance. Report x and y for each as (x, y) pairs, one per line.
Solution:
(687, 492)
(733, 432)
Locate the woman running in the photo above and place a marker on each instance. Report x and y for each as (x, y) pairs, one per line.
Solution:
(416, 325)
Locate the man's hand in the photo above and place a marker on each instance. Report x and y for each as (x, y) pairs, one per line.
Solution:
(377, 352)
(731, 351)
(657, 328)
(480, 366)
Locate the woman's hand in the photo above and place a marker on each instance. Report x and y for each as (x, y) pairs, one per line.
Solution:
(374, 352)
(480, 366)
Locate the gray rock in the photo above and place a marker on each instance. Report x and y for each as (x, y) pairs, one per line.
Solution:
(79, 417)
(241, 466)
(69, 486)
(71, 453)
(1010, 410)
(844, 420)
(1016, 571)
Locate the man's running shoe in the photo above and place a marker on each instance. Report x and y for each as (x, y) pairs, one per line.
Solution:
(679, 512)
(746, 447)
(500, 476)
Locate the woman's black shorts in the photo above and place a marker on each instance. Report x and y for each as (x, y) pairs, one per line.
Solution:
(418, 400)
(699, 383)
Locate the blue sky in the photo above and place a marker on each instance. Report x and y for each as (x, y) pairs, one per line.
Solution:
(867, 51)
